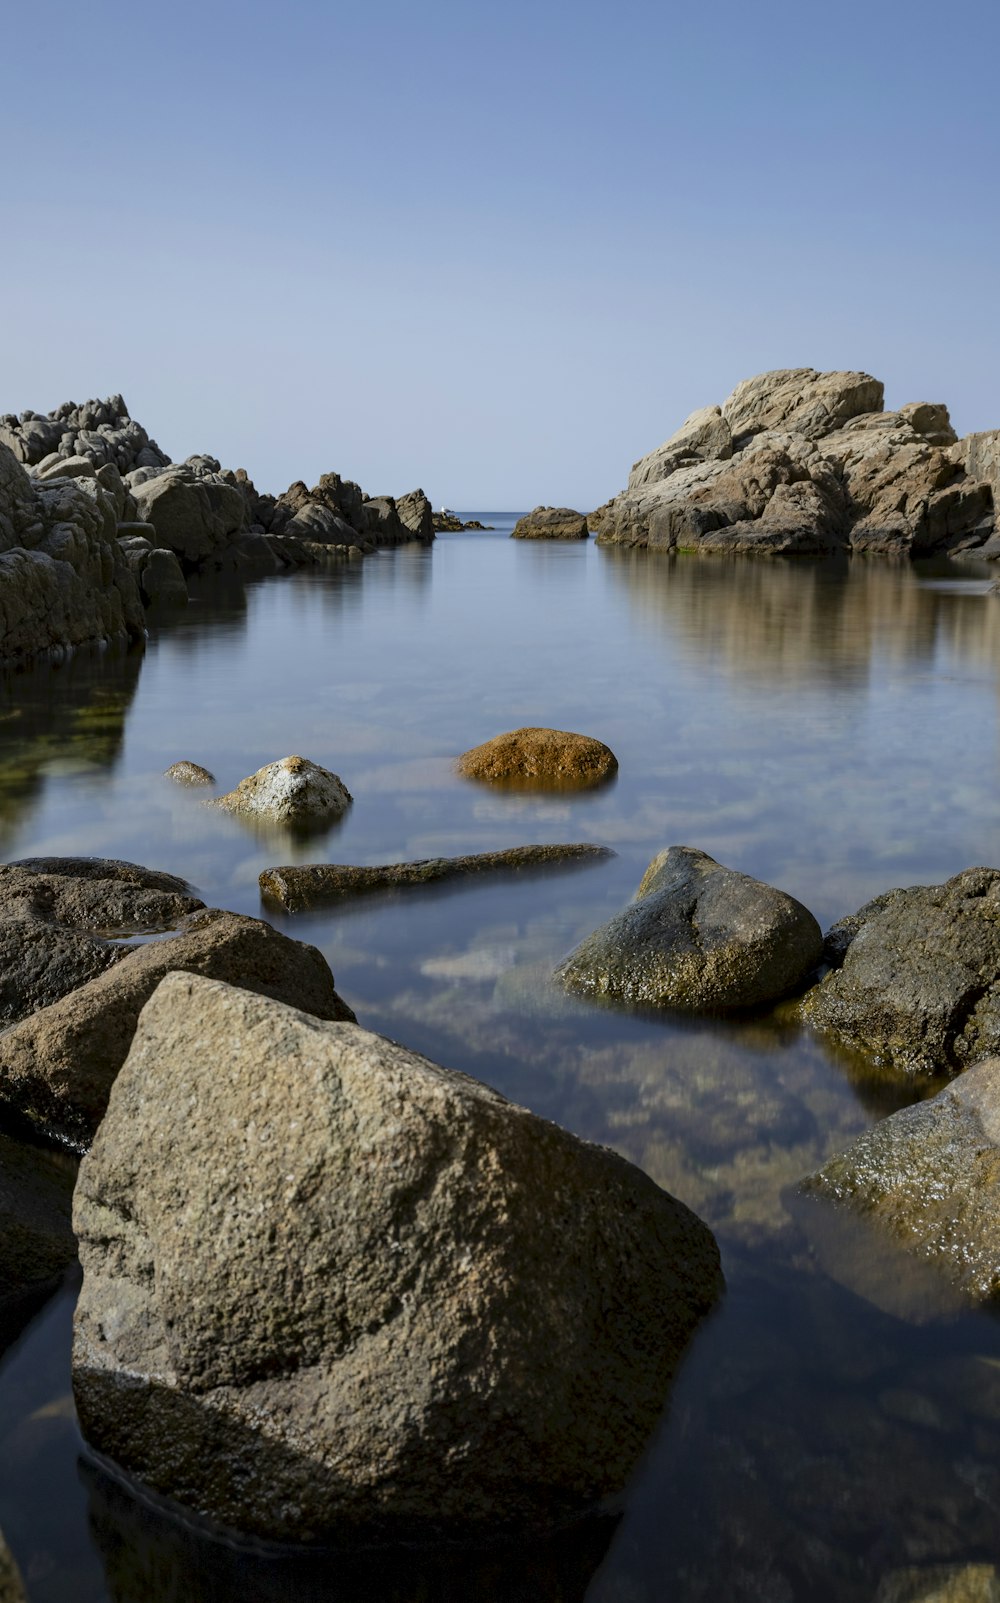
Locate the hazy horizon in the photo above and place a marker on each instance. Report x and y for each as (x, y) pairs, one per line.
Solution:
(497, 253)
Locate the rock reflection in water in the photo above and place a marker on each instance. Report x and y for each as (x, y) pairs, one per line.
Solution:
(152, 1556)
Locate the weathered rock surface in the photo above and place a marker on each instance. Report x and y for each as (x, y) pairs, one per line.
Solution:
(916, 982)
(930, 1176)
(187, 773)
(806, 463)
(57, 1066)
(98, 431)
(416, 514)
(11, 1585)
(294, 791)
(540, 759)
(699, 937)
(303, 885)
(338, 1309)
(551, 523)
(36, 1232)
(195, 512)
(941, 1583)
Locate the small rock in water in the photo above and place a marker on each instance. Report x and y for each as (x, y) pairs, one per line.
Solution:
(399, 1304)
(551, 523)
(293, 791)
(540, 759)
(187, 773)
(699, 937)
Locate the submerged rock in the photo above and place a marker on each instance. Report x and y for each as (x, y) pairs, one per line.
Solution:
(916, 985)
(311, 884)
(57, 1067)
(188, 773)
(699, 937)
(540, 759)
(293, 791)
(551, 523)
(929, 1176)
(367, 1296)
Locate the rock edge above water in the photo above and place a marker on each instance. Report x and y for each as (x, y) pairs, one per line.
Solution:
(534, 758)
(299, 886)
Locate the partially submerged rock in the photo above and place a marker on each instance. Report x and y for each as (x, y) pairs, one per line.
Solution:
(540, 759)
(367, 1296)
(798, 462)
(57, 1067)
(551, 523)
(188, 773)
(305, 885)
(293, 791)
(916, 986)
(700, 938)
(929, 1176)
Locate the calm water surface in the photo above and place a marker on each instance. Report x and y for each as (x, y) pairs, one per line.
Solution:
(829, 728)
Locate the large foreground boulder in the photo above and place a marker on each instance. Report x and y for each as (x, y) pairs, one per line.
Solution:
(699, 937)
(57, 1066)
(540, 759)
(930, 1177)
(916, 981)
(367, 1296)
(551, 523)
(798, 462)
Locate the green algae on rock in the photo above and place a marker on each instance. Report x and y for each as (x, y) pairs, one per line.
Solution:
(699, 937)
(304, 885)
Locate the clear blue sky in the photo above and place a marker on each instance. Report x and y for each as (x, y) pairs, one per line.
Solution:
(499, 250)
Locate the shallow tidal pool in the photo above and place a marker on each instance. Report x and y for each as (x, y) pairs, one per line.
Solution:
(828, 727)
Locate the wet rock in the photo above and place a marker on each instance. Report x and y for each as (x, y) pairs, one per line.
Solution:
(187, 773)
(36, 1232)
(941, 1583)
(162, 580)
(929, 1178)
(95, 893)
(917, 986)
(551, 523)
(57, 1067)
(40, 962)
(293, 791)
(540, 759)
(338, 1308)
(313, 884)
(699, 937)
(11, 1585)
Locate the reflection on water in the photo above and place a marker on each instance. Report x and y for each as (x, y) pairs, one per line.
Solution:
(829, 727)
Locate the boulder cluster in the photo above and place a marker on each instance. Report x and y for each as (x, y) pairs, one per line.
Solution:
(97, 524)
(798, 462)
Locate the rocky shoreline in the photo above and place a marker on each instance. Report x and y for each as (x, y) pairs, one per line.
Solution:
(97, 525)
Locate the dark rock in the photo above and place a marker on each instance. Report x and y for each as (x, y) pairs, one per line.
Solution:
(699, 937)
(917, 988)
(312, 884)
(367, 1295)
(551, 523)
(36, 1233)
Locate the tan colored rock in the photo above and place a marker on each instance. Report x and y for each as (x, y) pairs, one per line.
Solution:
(979, 455)
(800, 400)
(551, 523)
(905, 495)
(540, 759)
(366, 1292)
(941, 1583)
(57, 1067)
(703, 437)
(188, 773)
(931, 419)
(293, 791)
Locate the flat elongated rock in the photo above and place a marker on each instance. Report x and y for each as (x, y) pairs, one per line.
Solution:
(57, 1067)
(551, 523)
(930, 1177)
(293, 791)
(311, 884)
(699, 937)
(917, 979)
(540, 759)
(367, 1296)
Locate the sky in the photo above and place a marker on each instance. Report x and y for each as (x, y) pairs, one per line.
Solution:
(496, 250)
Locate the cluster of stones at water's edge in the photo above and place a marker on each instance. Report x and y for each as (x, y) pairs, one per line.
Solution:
(97, 524)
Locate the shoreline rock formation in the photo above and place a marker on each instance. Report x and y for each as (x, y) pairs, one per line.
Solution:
(97, 523)
(798, 462)
(551, 523)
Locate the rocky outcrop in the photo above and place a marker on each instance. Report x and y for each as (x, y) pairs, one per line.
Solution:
(699, 937)
(915, 984)
(337, 1309)
(540, 759)
(798, 462)
(100, 431)
(294, 791)
(196, 514)
(58, 1065)
(317, 884)
(551, 523)
(929, 1176)
(416, 514)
